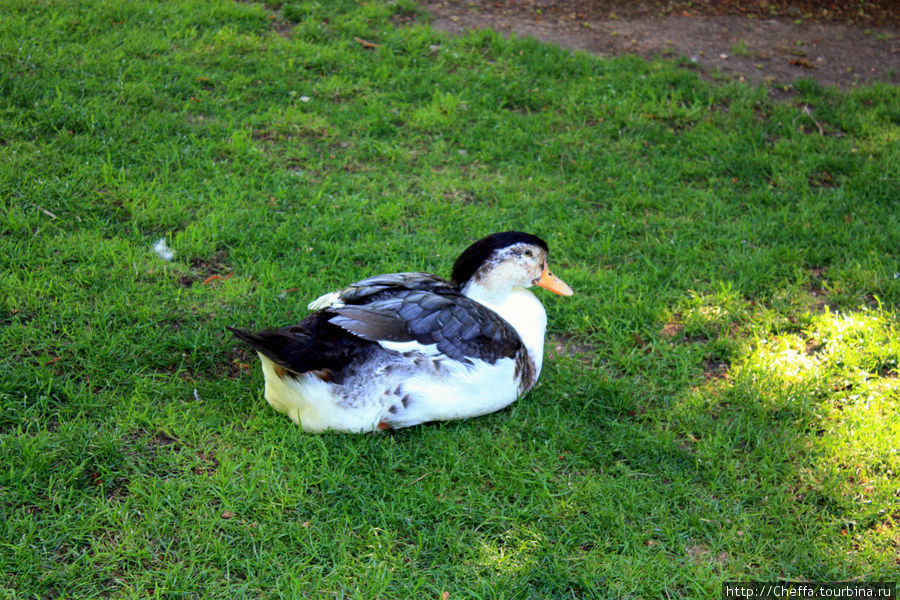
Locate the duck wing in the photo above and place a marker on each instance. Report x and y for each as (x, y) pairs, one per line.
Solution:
(461, 328)
(396, 307)
(372, 288)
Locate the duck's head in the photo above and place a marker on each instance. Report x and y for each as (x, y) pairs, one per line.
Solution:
(500, 262)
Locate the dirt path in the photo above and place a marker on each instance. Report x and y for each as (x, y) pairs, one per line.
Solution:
(839, 50)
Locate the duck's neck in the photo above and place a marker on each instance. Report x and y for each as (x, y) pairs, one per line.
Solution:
(521, 309)
(489, 296)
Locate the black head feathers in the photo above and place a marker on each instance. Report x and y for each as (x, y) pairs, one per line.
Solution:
(478, 253)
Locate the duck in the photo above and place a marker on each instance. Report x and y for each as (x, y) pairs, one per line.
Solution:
(401, 349)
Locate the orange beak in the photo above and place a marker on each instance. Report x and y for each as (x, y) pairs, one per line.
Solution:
(551, 282)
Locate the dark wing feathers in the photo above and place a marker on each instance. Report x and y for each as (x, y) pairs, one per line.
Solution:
(460, 327)
(371, 324)
(372, 288)
(420, 323)
(397, 307)
(470, 332)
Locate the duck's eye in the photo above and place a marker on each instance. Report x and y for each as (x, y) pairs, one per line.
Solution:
(528, 253)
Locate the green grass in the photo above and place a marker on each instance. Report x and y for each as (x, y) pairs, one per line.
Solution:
(727, 408)
(740, 48)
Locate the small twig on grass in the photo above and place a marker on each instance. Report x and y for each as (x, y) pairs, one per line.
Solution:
(420, 478)
(808, 112)
(365, 43)
(46, 212)
(216, 277)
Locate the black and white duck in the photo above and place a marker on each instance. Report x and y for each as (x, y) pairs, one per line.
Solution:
(401, 349)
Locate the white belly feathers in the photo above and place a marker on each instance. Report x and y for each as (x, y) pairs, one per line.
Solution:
(394, 390)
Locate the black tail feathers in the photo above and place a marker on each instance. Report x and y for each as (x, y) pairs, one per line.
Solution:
(311, 345)
(281, 346)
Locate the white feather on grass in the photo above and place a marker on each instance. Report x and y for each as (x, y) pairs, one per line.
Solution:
(162, 250)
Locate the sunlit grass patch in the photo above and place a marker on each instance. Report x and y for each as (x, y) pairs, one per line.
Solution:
(782, 361)
(834, 386)
(513, 552)
(840, 350)
(811, 401)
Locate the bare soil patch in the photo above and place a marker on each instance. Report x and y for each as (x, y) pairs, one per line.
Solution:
(833, 42)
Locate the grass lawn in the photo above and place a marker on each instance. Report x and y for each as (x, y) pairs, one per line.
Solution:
(721, 396)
